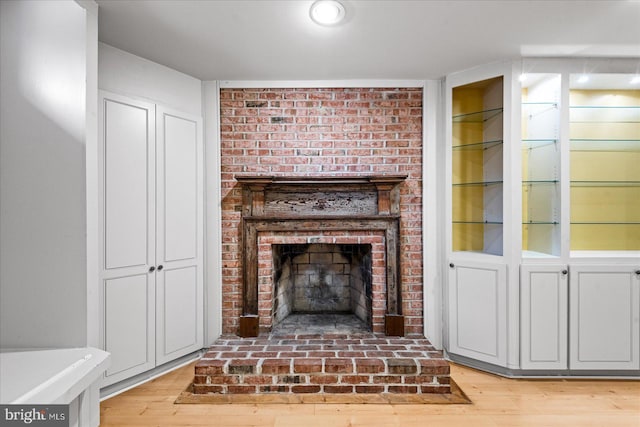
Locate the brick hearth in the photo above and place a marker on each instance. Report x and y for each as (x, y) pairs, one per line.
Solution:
(322, 363)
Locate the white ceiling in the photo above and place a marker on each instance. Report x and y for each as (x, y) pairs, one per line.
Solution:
(276, 40)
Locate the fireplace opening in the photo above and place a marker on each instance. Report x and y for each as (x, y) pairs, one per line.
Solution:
(322, 286)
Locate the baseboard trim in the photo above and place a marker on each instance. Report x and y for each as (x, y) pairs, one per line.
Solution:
(124, 385)
(543, 374)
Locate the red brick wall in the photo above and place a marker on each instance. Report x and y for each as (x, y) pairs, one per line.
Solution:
(322, 131)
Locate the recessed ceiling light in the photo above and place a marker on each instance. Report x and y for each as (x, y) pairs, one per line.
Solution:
(327, 12)
(522, 77)
(635, 80)
(583, 78)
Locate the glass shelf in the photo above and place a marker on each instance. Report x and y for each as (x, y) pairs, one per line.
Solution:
(477, 117)
(540, 182)
(477, 145)
(476, 184)
(604, 223)
(604, 114)
(604, 138)
(537, 143)
(478, 222)
(613, 145)
(605, 183)
(536, 254)
(533, 109)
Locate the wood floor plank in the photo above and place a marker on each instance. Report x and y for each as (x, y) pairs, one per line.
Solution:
(497, 402)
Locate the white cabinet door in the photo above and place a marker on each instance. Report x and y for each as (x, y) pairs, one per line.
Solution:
(179, 311)
(605, 311)
(127, 250)
(478, 311)
(544, 316)
(127, 307)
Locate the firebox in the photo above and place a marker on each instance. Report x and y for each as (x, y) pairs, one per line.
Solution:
(322, 278)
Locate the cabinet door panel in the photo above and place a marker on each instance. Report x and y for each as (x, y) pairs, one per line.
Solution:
(129, 326)
(126, 183)
(605, 308)
(544, 317)
(180, 311)
(477, 311)
(180, 201)
(127, 248)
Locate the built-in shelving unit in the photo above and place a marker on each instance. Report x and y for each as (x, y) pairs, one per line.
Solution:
(541, 165)
(605, 176)
(477, 178)
(543, 203)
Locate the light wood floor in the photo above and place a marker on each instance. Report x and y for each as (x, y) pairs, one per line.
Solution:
(496, 402)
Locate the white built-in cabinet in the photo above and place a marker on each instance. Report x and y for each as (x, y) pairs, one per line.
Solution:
(477, 311)
(151, 219)
(604, 317)
(543, 217)
(544, 313)
(478, 187)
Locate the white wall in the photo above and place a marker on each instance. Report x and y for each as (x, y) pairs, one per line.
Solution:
(43, 70)
(127, 74)
(213, 213)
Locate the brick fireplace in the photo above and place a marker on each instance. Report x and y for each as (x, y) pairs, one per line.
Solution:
(323, 184)
(294, 133)
(326, 210)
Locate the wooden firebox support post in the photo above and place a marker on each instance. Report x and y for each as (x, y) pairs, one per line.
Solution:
(320, 203)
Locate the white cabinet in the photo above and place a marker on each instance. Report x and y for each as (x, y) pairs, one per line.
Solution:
(605, 317)
(179, 284)
(478, 311)
(128, 235)
(151, 241)
(544, 316)
(540, 178)
(478, 187)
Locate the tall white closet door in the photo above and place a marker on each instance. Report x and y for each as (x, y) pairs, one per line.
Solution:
(127, 178)
(179, 285)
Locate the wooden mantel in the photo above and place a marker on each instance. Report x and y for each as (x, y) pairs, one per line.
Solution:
(352, 189)
(320, 203)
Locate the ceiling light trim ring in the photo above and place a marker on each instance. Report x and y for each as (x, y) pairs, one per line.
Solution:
(327, 12)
